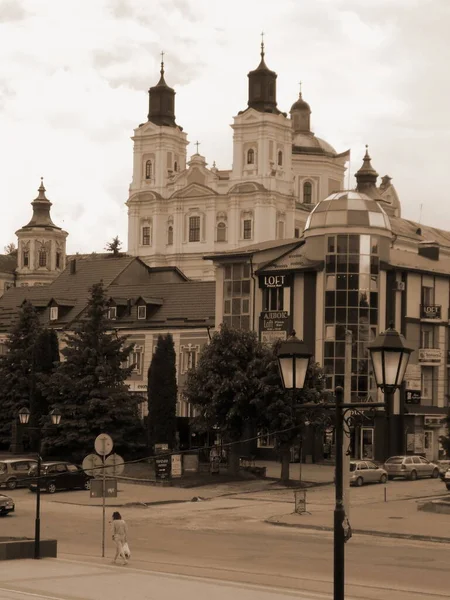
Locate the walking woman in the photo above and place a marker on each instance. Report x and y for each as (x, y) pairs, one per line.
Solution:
(119, 535)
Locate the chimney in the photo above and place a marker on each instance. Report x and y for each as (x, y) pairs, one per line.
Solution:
(73, 266)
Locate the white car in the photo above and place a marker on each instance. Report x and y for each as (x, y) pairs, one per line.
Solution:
(366, 471)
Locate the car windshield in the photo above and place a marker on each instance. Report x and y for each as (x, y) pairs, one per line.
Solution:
(352, 467)
(395, 460)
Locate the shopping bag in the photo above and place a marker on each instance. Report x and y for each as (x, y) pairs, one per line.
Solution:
(126, 550)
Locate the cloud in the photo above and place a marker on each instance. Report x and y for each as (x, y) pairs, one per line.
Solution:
(11, 10)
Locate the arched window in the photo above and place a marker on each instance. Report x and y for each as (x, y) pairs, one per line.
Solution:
(251, 157)
(280, 158)
(170, 235)
(148, 169)
(42, 258)
(307, 192)
(221, 232)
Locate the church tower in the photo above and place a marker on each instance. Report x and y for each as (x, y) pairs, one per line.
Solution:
(262, 134)
(41, 254)
(159, 156)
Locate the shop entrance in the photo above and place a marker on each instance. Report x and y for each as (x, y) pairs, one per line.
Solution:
(366, 447)
(429, 444)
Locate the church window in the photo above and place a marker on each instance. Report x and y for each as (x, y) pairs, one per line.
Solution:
(26, 258)
(42, 258)
(221, 232)
(194, 229)
(58, 260)
(148, 169)
(251, 157)
(146, 236)
(247, 229)
(280, 158)
(307, 192)
(170, 235)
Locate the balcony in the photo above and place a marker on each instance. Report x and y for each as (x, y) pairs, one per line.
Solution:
(430, 356)
(430, 312)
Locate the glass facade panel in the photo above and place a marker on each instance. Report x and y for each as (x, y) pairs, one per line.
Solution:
(236, 291)
(352, 264)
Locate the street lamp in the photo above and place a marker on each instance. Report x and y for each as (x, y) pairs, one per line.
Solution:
(390, 355)
(24, 418)
(293, 359)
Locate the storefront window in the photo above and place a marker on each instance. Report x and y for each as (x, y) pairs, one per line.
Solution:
(236, 296)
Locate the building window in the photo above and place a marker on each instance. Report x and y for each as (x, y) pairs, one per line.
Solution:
(427, 383)
(281, 230)
(351, 303)
(148, 169)
(194, 229)
(189, 356)
(273, 298)
(142, 312)
(236, 311)
(170, 235)
(146, 235)
(247, 229)
(42, 258)
(53, 313)
(175, 166)
(112, 313)
(251, 157)
(58, 260)
(426, 336)
(307, 192)
(135, 360)
(427, 295)
(280, 158)
(221, 232)
(26, 258)
(297, 232)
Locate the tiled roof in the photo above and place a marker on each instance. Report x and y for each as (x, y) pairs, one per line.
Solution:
(8, 263)
(418, 232)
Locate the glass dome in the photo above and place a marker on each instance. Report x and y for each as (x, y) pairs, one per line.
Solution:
(348, 209)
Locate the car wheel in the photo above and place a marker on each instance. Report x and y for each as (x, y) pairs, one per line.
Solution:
(11, 484)
(87, 484)
(359, 481)
(51, 488)
(383, 478)
(413, 475)
(435, 473)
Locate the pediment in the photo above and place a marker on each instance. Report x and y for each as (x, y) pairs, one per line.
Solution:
(194, 190)
(146, 196)
(247, 187)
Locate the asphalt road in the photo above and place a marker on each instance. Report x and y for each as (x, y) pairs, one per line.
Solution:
(226, 539)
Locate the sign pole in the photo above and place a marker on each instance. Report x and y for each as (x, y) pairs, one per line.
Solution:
(103, 499)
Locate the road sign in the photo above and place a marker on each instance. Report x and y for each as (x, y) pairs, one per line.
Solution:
(162, 467)
(114, 465)
(103, 444)
(91, 465)
(97, 488)
(177, 469)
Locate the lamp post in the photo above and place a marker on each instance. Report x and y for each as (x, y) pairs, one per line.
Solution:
(390, 356)
(24, 417)
(293, 359)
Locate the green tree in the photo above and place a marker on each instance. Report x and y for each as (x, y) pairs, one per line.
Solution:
(162, 394)
(114, 246)
(89, 387)
(226, 384)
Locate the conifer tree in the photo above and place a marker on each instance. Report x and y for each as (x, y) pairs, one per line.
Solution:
(89, 388)
(162, 393)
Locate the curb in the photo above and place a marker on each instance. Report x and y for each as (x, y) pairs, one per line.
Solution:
(385, 534)
(125, 504)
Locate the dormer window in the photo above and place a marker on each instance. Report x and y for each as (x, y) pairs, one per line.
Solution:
(112, 313)
(142, 312)
(148, 169)
(251, 157)
(53, 313)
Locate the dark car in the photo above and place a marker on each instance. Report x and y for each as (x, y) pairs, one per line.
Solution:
(6, 505)
(59, 476)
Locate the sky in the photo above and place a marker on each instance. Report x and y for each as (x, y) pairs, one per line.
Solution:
(74, 79)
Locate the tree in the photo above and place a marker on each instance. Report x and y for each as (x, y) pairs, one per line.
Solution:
(89, 387)
(162, 393)
(10, 248)
(114, 246)
(224, 387)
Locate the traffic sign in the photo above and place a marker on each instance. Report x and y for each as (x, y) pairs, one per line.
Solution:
(114, 465)
(103, 444)
(96, 490)
(91, 465)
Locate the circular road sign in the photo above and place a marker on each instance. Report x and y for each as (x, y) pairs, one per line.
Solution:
(91, 465)
(114, 465)
(103, 444)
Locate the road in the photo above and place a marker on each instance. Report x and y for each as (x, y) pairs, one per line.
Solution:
(226, 538)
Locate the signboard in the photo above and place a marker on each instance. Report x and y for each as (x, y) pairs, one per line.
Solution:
(430, 355)
(96, 490)
(190, 463)
(137, 386)
(413, 378)
(274, 280)
(160, 448)
(114, 465)
(419, 443)
(273, 325)
(103, 444)
(430, 311)
(162, 467)
(410, 442)
(177, 469)
(92, 465)
(413, 396)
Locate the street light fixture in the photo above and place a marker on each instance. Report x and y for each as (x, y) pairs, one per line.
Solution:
(390, 356)
(293, 360)
(24, 418)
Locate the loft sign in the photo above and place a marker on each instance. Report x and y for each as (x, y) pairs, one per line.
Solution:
(431, 311)
(274, 280)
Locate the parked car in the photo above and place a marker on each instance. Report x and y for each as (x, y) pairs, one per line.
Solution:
(14, 472)
(443, 465)
(366, 471)
(6, 505)
(446, 479)
(410, 467)
(59, 476)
